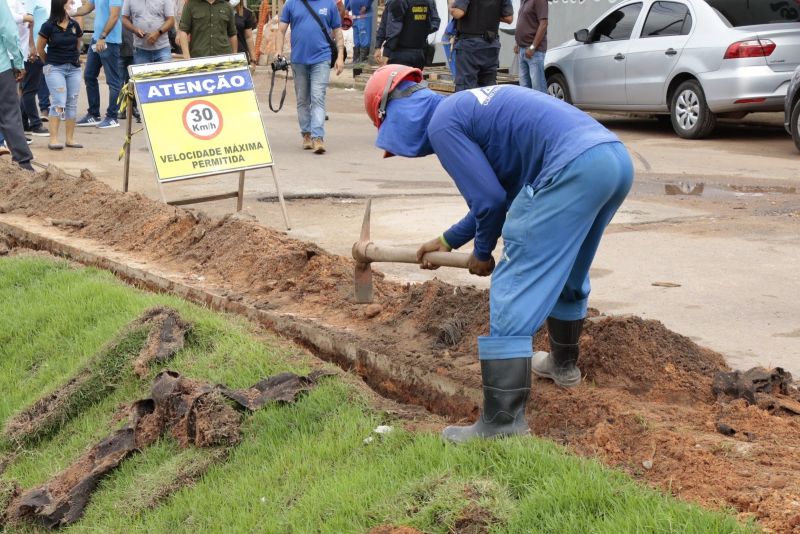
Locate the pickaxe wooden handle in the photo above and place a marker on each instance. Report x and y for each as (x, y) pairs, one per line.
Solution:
(366, 252)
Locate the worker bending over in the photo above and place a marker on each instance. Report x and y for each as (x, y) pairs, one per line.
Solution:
(545, 176)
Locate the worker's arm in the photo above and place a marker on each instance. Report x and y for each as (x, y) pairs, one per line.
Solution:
(465, 162)
(338, 36)
(41, 44)
(541, 33)
(433, 20)
(184, 30)
(85, 9)
(9, 39)
(232, 37)
(507, 12)
(282, 27)
(250, 43)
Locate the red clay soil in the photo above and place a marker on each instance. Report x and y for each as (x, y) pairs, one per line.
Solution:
(646, 405)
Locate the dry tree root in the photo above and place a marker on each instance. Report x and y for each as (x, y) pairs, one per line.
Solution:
(153, 338)
(194, 412)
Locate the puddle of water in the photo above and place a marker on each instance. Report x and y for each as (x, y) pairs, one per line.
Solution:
(737, 191)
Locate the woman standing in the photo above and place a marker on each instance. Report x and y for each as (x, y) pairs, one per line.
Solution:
(245, 24)
(61, 36)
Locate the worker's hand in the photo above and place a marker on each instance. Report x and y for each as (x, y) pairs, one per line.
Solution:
(516, 49)
(152, 37)
(139, 33)
(100, 45)
(19, 75)
(480, 268)
(378, 55)
(434, 245)
(528, 53)
(339, 64)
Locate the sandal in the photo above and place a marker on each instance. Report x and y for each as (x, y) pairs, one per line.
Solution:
(55, 147)
(74, 145)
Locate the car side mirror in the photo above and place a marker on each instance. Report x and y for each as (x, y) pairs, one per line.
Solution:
(582, 36)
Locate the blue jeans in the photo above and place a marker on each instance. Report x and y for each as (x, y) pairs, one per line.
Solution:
(140, 55)
(531, 71)
(310, 86)
(109, 60)
(550, 238)
(64, 82)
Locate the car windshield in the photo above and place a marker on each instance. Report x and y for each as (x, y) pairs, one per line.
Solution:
(753, 12)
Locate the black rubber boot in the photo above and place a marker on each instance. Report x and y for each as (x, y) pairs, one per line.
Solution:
(560, 364)
(506, 386)
(356, 55)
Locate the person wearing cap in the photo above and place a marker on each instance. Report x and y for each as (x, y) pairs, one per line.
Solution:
(403, 34)
(545, 176)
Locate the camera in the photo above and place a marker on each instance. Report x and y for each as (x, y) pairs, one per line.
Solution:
(280, 63)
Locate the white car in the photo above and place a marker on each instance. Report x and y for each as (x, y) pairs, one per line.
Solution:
(694, 60)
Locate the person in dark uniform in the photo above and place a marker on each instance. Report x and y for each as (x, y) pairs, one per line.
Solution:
(477, 43)
(404, 29)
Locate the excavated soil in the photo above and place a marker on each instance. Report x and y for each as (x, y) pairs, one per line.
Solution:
(646, 406)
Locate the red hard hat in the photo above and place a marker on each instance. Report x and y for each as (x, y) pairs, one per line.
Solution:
(380, 86)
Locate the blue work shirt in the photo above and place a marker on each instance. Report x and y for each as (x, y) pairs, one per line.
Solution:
(40, 9)
(10, 51)
(102, 10)
(309, 45)
(495, 140)
(354, 6)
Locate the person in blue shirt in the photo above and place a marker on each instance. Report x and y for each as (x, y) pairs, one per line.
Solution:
(311, 61)
(362, 28)
(12, 72)
(104, 52)
(545, 176)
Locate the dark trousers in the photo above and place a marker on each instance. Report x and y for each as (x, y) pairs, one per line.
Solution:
(477, 61)
(11, 119)
(44, 99)
(413, 57)
(108, 59)
(30, 88)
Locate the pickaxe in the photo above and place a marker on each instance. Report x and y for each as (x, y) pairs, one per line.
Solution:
(366, 252)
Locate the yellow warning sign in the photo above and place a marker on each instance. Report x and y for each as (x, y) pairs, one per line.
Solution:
(201, 117)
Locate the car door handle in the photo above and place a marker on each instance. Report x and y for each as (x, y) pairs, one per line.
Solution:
(671, 52)
(619, 57)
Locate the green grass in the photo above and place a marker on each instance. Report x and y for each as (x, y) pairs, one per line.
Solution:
(300, 468)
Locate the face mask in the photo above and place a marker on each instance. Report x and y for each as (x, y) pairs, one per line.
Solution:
(235, 3)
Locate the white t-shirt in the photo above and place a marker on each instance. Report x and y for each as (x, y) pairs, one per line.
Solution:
(17, 12)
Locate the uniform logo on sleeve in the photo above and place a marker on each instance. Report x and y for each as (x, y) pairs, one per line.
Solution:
(323, 11)
(485, 94)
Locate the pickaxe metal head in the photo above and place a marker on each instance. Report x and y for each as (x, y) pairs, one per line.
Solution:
(363, 271)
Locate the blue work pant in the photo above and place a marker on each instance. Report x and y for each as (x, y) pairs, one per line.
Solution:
(531, 71)
(108, 59)
(310, 86)
(140, 55)
(550, 238)
(362, 31)
(64, 82)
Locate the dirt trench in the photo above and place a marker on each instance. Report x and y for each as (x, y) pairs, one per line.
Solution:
(646, 404)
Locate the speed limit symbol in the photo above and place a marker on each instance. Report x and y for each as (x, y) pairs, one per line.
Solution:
(202, 119)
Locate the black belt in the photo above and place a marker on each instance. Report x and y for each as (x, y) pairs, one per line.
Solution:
(487, 35)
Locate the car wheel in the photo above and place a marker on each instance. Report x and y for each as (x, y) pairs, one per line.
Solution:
(796, 124)
(691, 118)
(557, 87)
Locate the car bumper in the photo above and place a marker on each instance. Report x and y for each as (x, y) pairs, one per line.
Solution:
(745, 88)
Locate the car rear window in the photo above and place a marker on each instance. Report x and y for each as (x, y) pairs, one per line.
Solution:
(754, 12)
